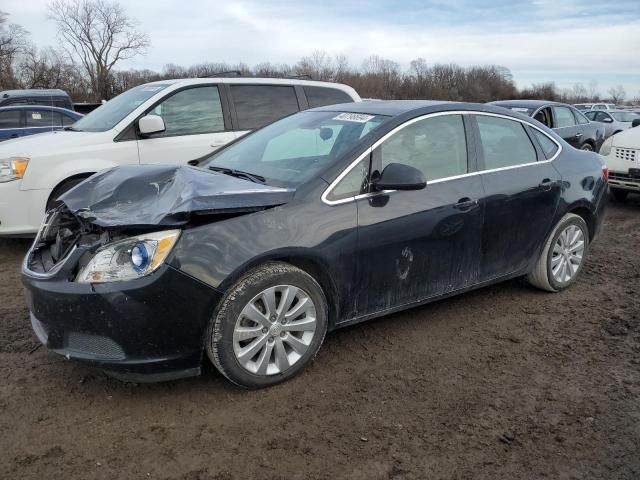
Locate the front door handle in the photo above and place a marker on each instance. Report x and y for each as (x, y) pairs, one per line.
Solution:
(578, 135)
(545, 184)
(465, 204)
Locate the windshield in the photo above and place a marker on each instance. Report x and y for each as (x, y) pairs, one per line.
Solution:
(108, 115)
(624, 116)
(291, 151)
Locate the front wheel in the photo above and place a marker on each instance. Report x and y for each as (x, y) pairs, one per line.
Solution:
(563, 255)
(268, 327)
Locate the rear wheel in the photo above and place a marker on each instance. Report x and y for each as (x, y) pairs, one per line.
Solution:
(586, 147)
(619, 194)
(563, 255)
(268, 327)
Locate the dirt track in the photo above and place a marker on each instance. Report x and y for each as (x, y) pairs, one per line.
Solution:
(504, 382)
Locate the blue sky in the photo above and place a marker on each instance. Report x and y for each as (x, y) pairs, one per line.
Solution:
(565, 41)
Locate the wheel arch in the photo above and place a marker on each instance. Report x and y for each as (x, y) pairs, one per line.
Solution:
(60, 183)
(586, 213)
(305, 261)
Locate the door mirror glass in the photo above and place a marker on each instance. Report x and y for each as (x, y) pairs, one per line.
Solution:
(397, 176)
(151, 124)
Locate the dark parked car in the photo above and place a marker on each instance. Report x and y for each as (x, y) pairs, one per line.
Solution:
(22, 120)
(566, 120)
(326, 218)
(53, 97)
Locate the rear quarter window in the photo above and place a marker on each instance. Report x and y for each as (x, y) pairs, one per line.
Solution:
(321, 96)
(259, 105)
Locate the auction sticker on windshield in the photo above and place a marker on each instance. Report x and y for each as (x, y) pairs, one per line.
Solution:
(354, 117)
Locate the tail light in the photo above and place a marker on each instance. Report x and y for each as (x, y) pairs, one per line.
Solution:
(605, 173)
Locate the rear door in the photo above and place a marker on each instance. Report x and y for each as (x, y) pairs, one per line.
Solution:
(413, 245)
(194, 127)
(565, 125)
(254, 106)
(11, 124)
(522, 189)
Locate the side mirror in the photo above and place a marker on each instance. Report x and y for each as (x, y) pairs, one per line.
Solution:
(151, 124)
(607, 120)
(635, 123)
(397, 176)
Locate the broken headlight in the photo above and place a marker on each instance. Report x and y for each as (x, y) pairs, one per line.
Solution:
(129, 259)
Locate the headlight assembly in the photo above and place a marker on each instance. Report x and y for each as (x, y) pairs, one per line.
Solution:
(605, 149)
(13, 168)
(129, 259)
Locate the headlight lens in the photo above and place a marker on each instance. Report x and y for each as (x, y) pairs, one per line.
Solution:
(129, 259)
(606, 146)
(13, 168)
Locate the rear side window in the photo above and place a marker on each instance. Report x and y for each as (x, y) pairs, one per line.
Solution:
(320, 96)
(436, 146)
(549, 147)
(43, 118)
(10, 119)
(191, 112)
(259, 105)
(505, 143)
(564, 117)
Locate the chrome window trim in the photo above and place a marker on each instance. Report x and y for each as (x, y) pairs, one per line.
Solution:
(369, 150)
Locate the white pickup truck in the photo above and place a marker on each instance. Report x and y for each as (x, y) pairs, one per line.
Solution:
(621, 153)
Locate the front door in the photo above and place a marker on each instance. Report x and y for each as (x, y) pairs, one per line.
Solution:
(194, 127)
(419, 244)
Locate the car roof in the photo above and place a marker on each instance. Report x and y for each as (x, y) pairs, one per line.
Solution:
(34, 92)
(527, 103)
(39, 107)
(250, 80)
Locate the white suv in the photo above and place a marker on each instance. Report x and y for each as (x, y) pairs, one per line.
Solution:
(170, 121)
(621, 153)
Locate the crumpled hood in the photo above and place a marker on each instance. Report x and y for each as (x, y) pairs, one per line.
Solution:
(149, 195)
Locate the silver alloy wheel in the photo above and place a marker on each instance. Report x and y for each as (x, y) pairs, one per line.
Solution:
(587, 147)
(567, 254)
(274, 330)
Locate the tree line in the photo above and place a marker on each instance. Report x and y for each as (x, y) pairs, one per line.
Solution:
(96, 35)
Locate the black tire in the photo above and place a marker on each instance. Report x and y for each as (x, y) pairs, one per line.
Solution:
(618, 194)
(587, 147)
(541, 276)
(64, 187)
(219, 339)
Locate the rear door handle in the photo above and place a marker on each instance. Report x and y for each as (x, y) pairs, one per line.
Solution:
(545, 184)
(465, 204)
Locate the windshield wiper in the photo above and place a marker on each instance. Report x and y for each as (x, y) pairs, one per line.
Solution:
(239, 174)
(71, 129)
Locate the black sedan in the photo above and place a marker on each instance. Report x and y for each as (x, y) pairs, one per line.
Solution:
(566, 120)
(323, 219)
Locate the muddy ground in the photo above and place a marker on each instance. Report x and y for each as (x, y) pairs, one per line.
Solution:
(504, 382)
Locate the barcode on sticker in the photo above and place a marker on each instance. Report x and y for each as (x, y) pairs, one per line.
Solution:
(354, 117)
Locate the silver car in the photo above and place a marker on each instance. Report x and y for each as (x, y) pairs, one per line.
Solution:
(614, 121)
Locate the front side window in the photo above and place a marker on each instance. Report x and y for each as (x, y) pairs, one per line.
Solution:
(67, 120)
(259, 105)
(564, 117)
(505, 143)
(191, 112)
(353, 183)
(602, 117)
(544, 117)
(10, 119)
(591, 115)
(436, 146)
(291, 151)
(115, 110)
(320, 96)
(43, 118)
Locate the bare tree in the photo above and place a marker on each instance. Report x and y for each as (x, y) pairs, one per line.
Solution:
(593, 94)
(617, 94)
(99, 34)
(13, 41)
